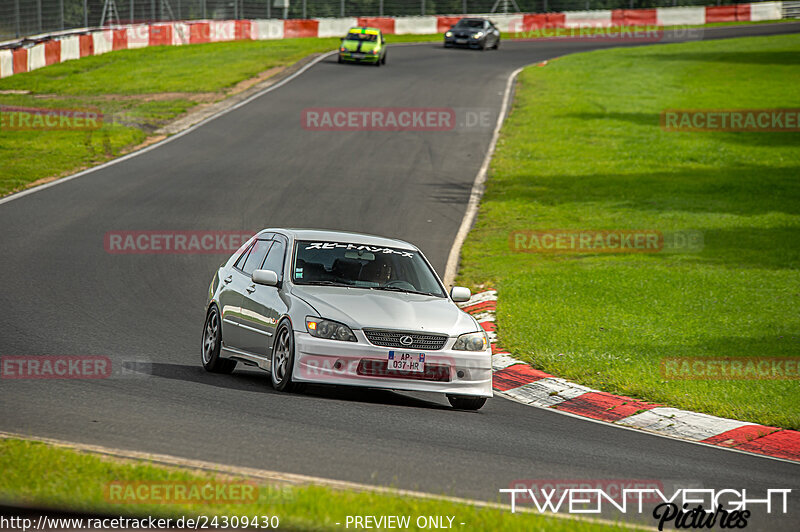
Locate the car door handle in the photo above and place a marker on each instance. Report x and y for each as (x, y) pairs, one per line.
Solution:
(250, 289)
(228, 279)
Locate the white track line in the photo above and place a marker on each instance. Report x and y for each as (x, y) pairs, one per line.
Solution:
(476, 193)
(293, 479)
(186, 131)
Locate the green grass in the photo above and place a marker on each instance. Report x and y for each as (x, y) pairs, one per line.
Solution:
(115, 83)
(39, 474)
(583, 149)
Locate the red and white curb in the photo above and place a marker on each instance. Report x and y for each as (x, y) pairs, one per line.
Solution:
(520, 382)
(43, 50)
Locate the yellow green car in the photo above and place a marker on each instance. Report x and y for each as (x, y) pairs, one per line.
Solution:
(363, 45)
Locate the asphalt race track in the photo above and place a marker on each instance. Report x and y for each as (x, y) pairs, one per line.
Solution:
(257, 167)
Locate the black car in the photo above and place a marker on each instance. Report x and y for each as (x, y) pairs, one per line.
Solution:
(473, 33)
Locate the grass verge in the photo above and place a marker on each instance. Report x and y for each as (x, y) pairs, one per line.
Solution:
(138, 91)
(583, 149)
(46, 476)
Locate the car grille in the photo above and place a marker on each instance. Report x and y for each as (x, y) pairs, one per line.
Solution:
(425, 342)
(377, 368)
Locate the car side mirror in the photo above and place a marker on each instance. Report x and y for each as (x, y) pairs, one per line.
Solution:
(459, 294)
(265, 277)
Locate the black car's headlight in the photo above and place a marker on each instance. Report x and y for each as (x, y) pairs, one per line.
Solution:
(333, 330)
(448, 34)
(477, 35)
(476, 341)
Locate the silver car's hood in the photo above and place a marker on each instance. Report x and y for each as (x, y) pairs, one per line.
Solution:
(363, 308)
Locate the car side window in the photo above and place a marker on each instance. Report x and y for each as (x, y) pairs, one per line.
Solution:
(256, 256)
(275, 258)
(243, 257)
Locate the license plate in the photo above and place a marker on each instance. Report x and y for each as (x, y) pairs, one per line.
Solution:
(405, 361)
(461, 41)
(358, 55)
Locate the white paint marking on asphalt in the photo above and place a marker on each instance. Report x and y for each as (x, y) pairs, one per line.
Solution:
(186, 131)
(476, 193)
(504, 360)
(294, 479)
(547, 392)
(682, 423)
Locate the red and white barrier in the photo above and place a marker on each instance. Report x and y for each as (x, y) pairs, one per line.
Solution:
(415, 25)
(335, 27)
(36, 57)
(766, 11)
(6, 63)
(62, 48)
(103, 41)
(587, 19)
(70, 48)
(180, 33)
(138, 36)
(267, 29)
(678, 16)
(508, 23)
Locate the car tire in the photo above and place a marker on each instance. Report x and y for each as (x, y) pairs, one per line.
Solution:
(339, 60)
(496, 44)
(212, 342)
(283, 359)
(466, 403)
(383, 59)
(378, 63)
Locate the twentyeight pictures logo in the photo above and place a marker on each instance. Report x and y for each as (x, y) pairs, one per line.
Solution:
(682, 508)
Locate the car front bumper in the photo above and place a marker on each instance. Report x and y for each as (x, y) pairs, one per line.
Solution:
(470, 42)
(367, 58)
(361, 363)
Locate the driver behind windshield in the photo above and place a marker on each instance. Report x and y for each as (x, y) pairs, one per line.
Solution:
(376, 271)
(361, 37)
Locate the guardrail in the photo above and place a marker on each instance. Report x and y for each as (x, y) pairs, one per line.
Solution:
(21, 18)
(791, 9)
(33, 53)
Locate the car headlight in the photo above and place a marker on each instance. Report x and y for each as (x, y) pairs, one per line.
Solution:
(476, 341)
(448, 34)
(477, 35)
(342, 49)
(333, 330)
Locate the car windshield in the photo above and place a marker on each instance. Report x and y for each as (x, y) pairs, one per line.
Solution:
(467, 23)
(363, 266)
(369, 37)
